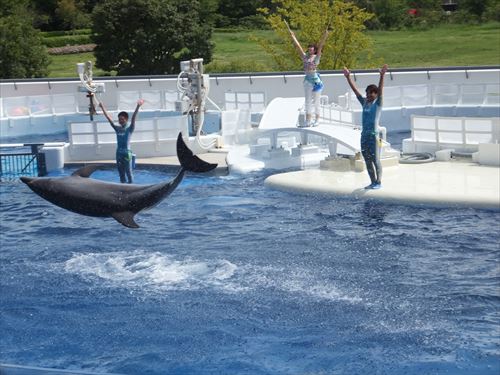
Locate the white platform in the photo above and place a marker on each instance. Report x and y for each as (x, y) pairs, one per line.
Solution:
(453, 183)
(240, 160)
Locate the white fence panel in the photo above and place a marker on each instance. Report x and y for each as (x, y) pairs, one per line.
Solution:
(64, 104)
(463, 132)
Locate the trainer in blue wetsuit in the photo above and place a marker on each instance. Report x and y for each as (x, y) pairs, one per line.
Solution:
(369, 137)
(372, 106)
(123, 152)
(123, 133)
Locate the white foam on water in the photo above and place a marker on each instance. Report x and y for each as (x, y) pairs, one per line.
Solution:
(149, 270)
(300, 282)
(157, 272)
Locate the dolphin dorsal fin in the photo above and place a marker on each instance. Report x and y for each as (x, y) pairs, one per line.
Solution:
(125, 218)
(87, 170)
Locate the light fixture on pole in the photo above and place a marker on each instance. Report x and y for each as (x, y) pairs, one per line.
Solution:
(88, 86)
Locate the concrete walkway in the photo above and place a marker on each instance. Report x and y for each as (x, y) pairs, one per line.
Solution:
(439, 183)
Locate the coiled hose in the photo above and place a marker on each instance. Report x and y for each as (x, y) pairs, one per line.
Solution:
(417, 158)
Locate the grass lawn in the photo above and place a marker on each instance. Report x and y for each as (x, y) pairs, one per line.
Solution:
(63, 66)
(446, 45)
(237, 49)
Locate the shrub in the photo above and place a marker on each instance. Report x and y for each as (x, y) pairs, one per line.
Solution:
(236, 66)
(66, 40)
(48, 34)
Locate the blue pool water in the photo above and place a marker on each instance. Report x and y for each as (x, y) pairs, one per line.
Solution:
(227, 276)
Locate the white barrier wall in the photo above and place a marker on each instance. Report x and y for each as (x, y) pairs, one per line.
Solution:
(273, 85)
(462, 134)
(473, 92)
(152, 137)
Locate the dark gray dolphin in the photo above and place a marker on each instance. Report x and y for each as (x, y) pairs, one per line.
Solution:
(87, 196)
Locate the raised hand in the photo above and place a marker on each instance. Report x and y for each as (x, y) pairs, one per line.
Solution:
(288, 27)
(384, 69)
(329, 24)
(347, 72)
(140, 102)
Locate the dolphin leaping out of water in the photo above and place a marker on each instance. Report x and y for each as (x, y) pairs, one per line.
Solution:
(87, 196)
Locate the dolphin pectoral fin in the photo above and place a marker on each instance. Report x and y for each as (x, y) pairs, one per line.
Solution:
(87, 170)
(125, 218)
(188, 160)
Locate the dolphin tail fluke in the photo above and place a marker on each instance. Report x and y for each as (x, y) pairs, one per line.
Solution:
(189, 161)
(125, 218)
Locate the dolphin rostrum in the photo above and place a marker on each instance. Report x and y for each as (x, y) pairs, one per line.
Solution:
(91, 197)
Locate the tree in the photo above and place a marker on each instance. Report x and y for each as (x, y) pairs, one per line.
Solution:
(493, 11)
(390, 13)
(149, 36)
(425, 4)
(61, 14)
(232, 12)
(345, 41)
(22, 54)
(71, 14)
(208, 11)
(89, 5)
(394, 14)
(474, 7)
(44, 14)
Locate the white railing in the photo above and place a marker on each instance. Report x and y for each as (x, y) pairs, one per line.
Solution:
(462, 133)
(154, 100)
(437, 95)
(156, 136)
(96, 140)
(38, 105)
(252, 101)
(335, 113)
(152, 130)
(26, 106)
(60, 104)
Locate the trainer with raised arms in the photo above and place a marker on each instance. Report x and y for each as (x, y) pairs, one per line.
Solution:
(372, 106)
(123, 134)
(312, 81)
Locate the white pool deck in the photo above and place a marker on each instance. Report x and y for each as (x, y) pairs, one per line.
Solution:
(456, 183)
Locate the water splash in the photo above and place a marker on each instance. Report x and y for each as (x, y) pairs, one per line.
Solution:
(158, 272)
(149, 271)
